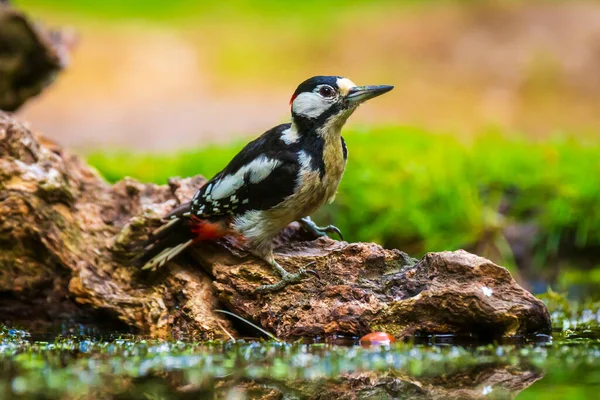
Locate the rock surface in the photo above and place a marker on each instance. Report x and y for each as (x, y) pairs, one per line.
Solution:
(365, 288)
(68, 238)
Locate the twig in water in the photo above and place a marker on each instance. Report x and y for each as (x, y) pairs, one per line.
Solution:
(258, 328)
(226, 331)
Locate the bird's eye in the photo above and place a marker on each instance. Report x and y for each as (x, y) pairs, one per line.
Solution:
(326, 91)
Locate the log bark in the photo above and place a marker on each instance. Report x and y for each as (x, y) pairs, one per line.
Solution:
(30, 57)
(68, 237)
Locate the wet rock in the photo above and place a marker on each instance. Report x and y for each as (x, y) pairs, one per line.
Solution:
(365, 288)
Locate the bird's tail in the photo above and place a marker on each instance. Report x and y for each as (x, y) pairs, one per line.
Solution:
(174, 236)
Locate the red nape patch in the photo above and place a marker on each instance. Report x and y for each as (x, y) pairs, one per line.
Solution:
(293, 98)
(206, 230)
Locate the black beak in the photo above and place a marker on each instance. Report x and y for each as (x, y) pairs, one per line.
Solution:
(360, 94)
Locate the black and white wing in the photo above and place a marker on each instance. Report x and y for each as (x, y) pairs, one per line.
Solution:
(259, 177)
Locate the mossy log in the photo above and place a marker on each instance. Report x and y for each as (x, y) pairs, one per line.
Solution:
(68, 238)
(30, 57)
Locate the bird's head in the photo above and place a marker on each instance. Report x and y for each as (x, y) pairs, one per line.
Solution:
(324, 99)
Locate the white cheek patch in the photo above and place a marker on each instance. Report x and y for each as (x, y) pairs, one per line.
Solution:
(310, 104)
(344, 85)
(259, 170)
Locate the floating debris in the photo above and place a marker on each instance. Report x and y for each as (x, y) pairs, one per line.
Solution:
(377, 339)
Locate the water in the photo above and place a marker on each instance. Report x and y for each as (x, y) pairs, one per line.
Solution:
(566, 365)
(82, 363)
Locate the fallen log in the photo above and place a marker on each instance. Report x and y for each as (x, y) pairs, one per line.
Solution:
(68, 238)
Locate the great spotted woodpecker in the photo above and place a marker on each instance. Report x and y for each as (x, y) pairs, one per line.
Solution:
(283, 176)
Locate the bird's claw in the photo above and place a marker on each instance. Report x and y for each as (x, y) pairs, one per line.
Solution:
(316, 230)
(288, 279)
(304, 271)
(333, 229)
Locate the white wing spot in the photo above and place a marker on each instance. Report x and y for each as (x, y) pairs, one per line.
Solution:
(259, 169)
(487, 291)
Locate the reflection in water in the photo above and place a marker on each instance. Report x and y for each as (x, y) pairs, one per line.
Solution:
(479, 382)
(483, 381)
(136, 368)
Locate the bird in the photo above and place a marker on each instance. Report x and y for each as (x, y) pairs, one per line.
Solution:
(284, 175)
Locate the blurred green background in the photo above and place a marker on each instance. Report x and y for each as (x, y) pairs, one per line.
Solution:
(155, 75)
(489, 141)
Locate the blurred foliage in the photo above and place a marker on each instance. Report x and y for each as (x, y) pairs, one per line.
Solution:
(420, 191)
(178, 10)
(572, 318)
(190, 65)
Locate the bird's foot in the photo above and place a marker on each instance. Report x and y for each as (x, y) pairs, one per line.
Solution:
(287, 278)
(308, 224)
